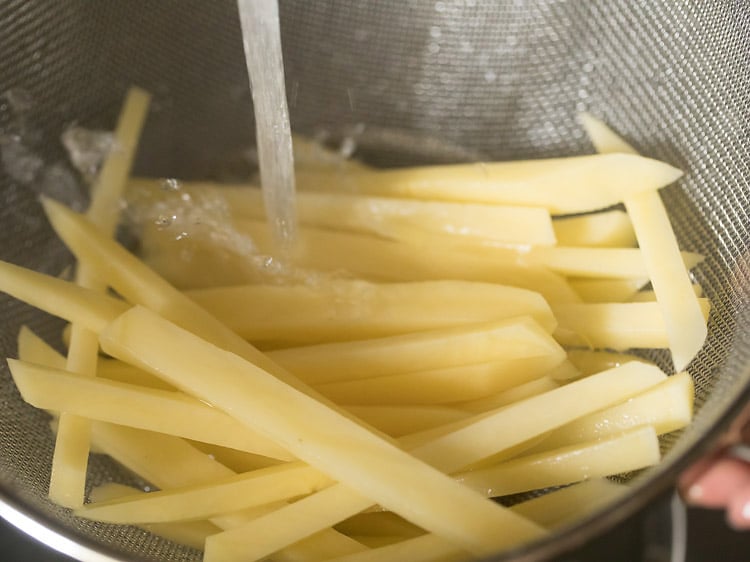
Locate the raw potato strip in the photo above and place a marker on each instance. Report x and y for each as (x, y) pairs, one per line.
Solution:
(425, 548)
(481, 437)
(202, 501)
(650, 295)
(400, 420)
(170, 462)
(63, 299)
(352, 309)
(632, 450)
(397, 219)
(515, 394)
(563, 506)
(162, 411)
(561, 185)
(313, 432)
(667, 407)
(190, 533)
(441, 386)
(615, 325)
(33, 349)
(514, 338)
(70, 458)
(386, 260)
(683, 312)
(607, 290)
(599, 262)
(607, 229)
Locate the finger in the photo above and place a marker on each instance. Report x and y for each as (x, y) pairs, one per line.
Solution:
(738, 511)
(718, 484)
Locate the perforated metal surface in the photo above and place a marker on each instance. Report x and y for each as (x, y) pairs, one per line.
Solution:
(411, 81)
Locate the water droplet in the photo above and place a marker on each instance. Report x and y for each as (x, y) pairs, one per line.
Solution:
(490, 76)
(348, 146)
(268, 262)
(588, 67)
(433, 48)
(435, 32)
(164, 221)
(170, 184)
(439, 6)
(181, 236)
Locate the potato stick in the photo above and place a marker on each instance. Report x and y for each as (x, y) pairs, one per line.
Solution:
(353, 309)
(190, 533)
(171, 462)
(604, 139)
(666, 407)
(33, 349)
(607, 290)
(632, 450)
(515, 394)
(561, 507)
(683, 312)
(60, 298)
(70, 458)
(562, 185)
(197, 502)
(512, 338)
(425, 548)
(131, 278)
(440, 386)
(386, 260)
(614, 325)
(589, 361)
(313, 432)
(483, 435)
(114, 370)
(398, 219)
(167, 412)
(650, 295)
(604, 229)
(565, 371)
(401, 420)
(529, 418)
(599, 262)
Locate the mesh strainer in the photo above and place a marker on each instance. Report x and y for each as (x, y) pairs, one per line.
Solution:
(408, 81)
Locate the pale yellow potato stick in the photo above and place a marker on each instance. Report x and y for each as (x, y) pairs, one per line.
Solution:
(604, 139)
(60, 298)
(607, 290)
(398, 219)
(512, 338)
(190, 533)
(173, 413)
(425, 548)
(401, 420)
(666, 407)
(70, 458)
(615, 325)
(170, 462)
(683, 312)
(313, 432)
(342, 310)
(606, 228)
(562, 185)
(631, 450)
(478, 438)
(202, 501)
(598, 262)
(33, 349)
(514, 394)
(115, 370)
(650, 295)
(386, 260)
(440, 386)
(561, 507)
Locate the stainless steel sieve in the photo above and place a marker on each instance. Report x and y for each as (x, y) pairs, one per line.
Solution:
(405, 81)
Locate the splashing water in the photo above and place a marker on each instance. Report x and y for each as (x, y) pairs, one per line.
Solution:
(261, 39)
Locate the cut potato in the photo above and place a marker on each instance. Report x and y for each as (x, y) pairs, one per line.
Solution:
(311, 431)
(561, 185)
(514, 338)
(684, 314)
(604, 229)
(614, 325)
(514, 394)
(351, 309)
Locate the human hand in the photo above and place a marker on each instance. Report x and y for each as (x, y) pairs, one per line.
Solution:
(722, 479)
